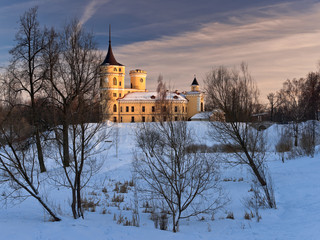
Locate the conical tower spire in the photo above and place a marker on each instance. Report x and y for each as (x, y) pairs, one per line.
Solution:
(195, 82)
(110, 59)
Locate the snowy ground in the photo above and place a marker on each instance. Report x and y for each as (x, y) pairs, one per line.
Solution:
(297, 189)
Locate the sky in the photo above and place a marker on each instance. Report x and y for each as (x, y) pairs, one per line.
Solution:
(178, 39)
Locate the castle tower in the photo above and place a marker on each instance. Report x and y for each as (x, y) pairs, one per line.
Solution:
(112, 84)
(138, 79)
(196, 99)
(195, 85)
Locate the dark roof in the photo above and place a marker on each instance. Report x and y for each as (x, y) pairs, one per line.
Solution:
(195, 82)
(110, 59)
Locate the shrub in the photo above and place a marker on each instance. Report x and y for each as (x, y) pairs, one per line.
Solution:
(124, 188)
(230, 215)
(120, 219)
(307, 141)
(131, 183)
(284, 144)
(116, 188)
(163, 221)
(117, 198)
(90, 204)
(247, 216)
(155, 218)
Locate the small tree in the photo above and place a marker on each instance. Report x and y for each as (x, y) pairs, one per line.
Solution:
(26, 69)
(187, 183)
(289, 98)
(18, 166)
(72, 86)
(86, 142)
(235, 93)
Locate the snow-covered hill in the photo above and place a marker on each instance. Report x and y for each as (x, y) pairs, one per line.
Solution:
(297, 189)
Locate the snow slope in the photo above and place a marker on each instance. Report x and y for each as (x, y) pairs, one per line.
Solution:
(297, 188)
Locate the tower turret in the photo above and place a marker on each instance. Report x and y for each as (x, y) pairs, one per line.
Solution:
(112, 73)
(195, 85)
(138, 79)
(111, 84)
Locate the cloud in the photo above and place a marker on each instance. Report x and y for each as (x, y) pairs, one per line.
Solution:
(90, 10)
(281, 43)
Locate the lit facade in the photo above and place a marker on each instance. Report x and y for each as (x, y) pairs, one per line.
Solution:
(136, 104)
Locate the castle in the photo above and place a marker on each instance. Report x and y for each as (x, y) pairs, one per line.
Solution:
(136, 104)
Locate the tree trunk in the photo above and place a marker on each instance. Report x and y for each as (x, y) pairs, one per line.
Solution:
(40, 153)
(55, 218)
(79, 201)
(74, 203)
(174, 222)
(35, 123)
(65, 140)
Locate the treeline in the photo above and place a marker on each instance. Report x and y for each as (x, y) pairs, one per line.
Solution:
(298, 100)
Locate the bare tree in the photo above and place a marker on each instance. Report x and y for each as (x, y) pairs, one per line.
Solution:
(72, 65)
(235, 93)
(18, 166)
(86, 142)
(311, 96)
(26, 68)
(187, 183)
(289, 98)
(71, 71)
(272, 101)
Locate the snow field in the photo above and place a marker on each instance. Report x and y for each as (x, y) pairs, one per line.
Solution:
(297, 190)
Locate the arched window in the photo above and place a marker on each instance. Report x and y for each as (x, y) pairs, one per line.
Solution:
(114, 108)
(115, 69)
(114, 81)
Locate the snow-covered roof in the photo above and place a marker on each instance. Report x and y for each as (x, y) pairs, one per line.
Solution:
(193, 93)
(201, 115)
(151, 96)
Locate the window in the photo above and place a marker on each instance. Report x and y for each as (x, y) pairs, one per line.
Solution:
(114, 95)
(132, 109)
(202, 107)
(114, 81)
(152, 118)
(115, 69)
(121, 109)
(182, 109)
(176, 118)
(175, 109)
(114, 108)
(141, 80)
(186, 109)
(143, 108)
(153, 109)
(119, 83)
(143, 118)
(119, 69)
(119, 94)
(164, 118)
(115, 119)
(132, 119)
(120, 119)
(164, 109)
(127, 109)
